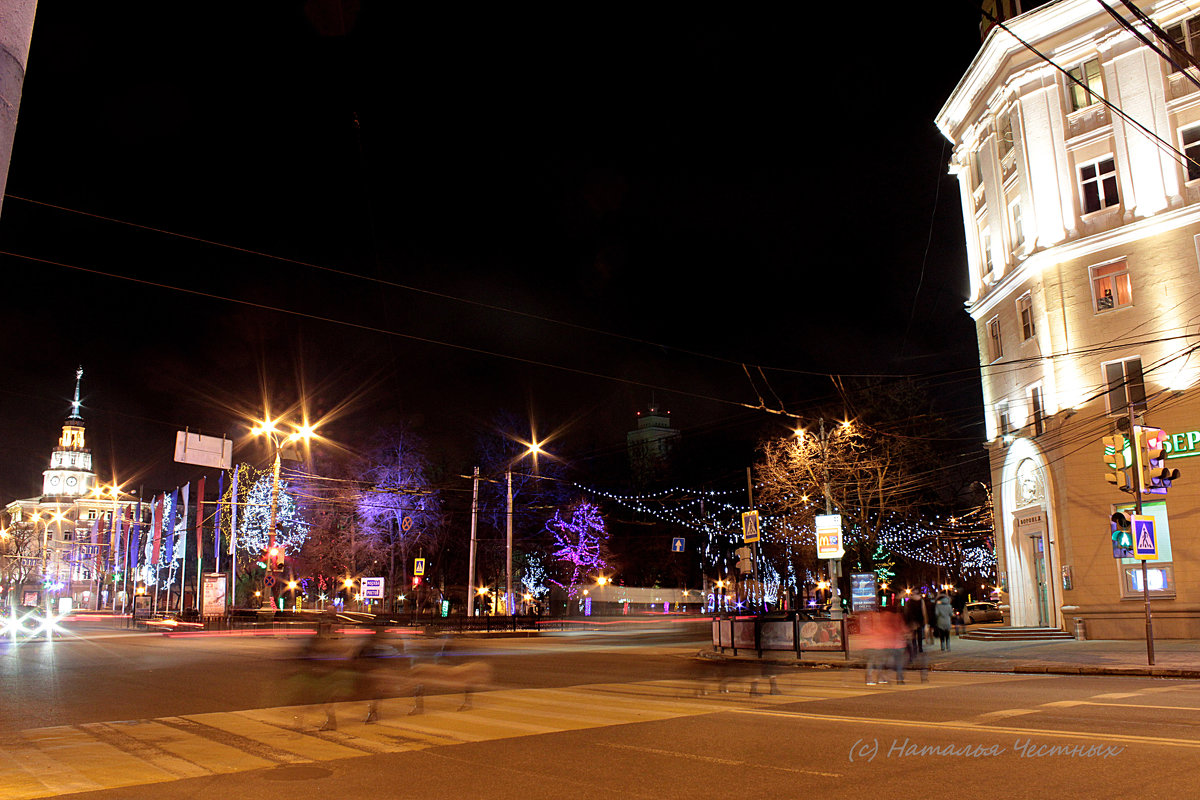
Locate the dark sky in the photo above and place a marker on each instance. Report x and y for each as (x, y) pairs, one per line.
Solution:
(689, 192)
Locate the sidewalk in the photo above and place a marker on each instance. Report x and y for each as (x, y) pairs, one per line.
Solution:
(1173, 658)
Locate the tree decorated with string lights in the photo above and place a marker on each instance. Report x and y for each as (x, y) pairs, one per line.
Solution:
(579, 542)
(254, 513)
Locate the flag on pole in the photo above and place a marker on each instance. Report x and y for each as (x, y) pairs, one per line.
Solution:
(169, 541)
(156, 529)
(135, 537)
(115, 550)
(97, 535)
(200, 520)
(220, 520)
(183, 545)
(233, 506)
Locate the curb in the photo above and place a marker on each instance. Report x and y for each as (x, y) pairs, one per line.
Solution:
(1025, 668)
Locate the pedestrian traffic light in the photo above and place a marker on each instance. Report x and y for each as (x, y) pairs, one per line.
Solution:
(1119, 459)
(1156, 478)
(745, 559)
(1122, 536)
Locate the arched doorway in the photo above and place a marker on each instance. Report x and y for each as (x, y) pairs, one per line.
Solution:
(1029, 535)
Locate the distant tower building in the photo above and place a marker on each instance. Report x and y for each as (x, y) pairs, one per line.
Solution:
(46, 532)
(651, 445)
(70, 474)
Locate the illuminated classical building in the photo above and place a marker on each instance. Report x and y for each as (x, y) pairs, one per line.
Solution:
(1082, 221)
(50, 534)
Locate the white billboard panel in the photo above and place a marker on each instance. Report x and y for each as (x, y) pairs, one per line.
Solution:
(203, 451)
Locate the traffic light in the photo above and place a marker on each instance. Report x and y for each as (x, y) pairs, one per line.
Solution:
(1122, 536)
(1119, 459)
(272, 559)
(416, 581)
(1156, 478)
(745, 559)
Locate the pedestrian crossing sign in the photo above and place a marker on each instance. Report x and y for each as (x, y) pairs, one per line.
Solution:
(750, 529)
(1145, 543)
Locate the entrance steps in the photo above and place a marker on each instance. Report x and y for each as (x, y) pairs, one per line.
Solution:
(999, 633)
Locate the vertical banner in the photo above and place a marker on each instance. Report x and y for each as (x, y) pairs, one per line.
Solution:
(220, 519)
(183, 520)
(115, 548)
(97, 540)
(169, 539)
(200, 520)
(233, 507)
(135, 538)
(156, 529)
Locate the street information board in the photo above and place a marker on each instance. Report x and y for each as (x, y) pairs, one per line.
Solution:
(372, 588)
(829, 536)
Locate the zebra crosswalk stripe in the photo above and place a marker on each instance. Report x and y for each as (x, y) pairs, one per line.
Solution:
(59, 760)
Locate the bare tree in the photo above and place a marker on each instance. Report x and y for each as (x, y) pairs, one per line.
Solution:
(20, 555)
(846, 467)
(396, 504)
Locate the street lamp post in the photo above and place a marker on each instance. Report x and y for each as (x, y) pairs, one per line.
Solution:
(474, 526)
(268, 428)
(534, 449)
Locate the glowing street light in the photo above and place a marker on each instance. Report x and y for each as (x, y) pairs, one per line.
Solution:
(533, 449)
(269, 428)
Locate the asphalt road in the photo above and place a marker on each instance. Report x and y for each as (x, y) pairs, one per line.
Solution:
(599, 715)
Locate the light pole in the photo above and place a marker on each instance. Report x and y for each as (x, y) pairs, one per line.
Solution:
(474, 526)
(535, 450)
(278, 441)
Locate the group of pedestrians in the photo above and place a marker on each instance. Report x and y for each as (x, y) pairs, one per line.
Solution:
(896, 637)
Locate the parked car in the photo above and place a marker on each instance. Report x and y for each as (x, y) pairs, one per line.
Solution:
(982, 612)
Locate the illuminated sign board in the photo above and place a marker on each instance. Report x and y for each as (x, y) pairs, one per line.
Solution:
(829, 536)
(1182, 445)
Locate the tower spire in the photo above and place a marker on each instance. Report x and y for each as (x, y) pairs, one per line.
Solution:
(75, 403)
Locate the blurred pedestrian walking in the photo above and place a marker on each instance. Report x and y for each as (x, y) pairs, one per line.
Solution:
(942, 613)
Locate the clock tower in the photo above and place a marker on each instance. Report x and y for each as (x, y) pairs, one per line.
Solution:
(70, 473)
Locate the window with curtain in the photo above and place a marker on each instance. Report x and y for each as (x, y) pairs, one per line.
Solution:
(1111, 287)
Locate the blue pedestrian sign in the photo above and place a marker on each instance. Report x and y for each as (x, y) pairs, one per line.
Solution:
(1145, 544)
(677, 544)
(750, 529)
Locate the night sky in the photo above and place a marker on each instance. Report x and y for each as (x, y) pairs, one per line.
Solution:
(266, 184)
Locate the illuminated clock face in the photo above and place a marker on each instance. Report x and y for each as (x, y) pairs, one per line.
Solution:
(54, 480)
(71, 481)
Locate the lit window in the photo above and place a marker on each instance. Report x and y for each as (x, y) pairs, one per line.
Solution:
(994, 348)
(1098, 185)
(1186, 36)
(1014, 224)
(1160, 574)
(1110, 286)
(1191, 148)
(1123, 380)
(1037, 410)
(1025, 314)
(1091, 90)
